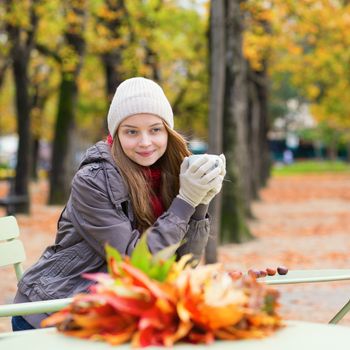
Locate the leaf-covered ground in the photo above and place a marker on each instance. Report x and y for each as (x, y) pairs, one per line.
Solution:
(301, 222)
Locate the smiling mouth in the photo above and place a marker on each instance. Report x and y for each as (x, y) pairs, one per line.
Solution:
(145, 154)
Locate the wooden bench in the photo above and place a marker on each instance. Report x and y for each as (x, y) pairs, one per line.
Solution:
(11, 200)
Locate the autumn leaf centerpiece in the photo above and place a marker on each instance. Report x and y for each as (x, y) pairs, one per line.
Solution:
(155, 300)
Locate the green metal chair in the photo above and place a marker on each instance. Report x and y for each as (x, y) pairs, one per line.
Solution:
(12, 253)
(313, 276)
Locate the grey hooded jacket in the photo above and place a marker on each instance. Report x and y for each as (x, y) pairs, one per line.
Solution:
(99, 211)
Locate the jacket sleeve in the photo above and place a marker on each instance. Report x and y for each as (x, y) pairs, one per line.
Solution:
(196, 238)
(99, 220)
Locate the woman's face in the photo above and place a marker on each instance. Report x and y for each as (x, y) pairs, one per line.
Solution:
(143, 138)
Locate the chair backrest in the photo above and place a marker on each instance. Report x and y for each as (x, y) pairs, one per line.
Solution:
(12, 252)
(11, 247)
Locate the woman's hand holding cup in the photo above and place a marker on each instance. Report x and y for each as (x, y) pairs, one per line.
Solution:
(201, 178)
(218, 182)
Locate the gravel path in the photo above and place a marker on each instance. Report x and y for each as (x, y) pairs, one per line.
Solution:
(300, 222)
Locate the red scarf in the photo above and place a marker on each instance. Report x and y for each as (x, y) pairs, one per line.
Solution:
(154, 175)
(109, 139)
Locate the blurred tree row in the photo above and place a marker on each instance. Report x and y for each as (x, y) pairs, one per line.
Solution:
(228, 67)
(270, 52)
(294, 49)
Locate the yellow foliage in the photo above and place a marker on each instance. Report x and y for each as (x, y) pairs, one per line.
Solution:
(72, 18)
(311, 42)
(294, 49)
(18, 14)
(105, 13)
(313, 91)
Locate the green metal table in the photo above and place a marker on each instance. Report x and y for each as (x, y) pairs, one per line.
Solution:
(295, 335)
(313, 276)
(308, 276)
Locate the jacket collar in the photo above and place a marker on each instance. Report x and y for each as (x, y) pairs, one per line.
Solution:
(99, 152)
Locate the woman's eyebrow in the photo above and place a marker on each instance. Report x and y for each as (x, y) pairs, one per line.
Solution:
(128, 126)
(135, 127)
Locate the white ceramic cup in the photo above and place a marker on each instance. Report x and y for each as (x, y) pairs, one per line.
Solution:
(192, 158)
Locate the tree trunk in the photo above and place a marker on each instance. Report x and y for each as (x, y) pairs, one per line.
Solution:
(112, 59)
(253, 139)
(258, 118)
(22, 41)
(111, 62)
(62, 165)
(59, 183)
(348, 152)
(20, 69)
(39, 98)
(151, 56)
(217, 91)
(265, 158)
(151, 60)
(236, 191)
(35, 159)
(237, 84)
(332, 149)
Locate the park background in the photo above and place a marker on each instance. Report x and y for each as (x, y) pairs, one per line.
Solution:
(265, 82)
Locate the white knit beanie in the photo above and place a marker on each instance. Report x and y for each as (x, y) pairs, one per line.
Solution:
(138, 95)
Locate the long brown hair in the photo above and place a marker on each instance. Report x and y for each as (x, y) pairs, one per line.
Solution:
(134, 177)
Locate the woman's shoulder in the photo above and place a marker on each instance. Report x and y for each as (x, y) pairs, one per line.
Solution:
(99, 171)
(103, 177)
(90, 170)
(97, 159)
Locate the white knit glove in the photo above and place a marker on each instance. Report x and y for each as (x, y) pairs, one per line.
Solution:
(197, 179)
(218, 182)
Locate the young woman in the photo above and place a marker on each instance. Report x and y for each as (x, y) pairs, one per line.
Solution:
(140, 179)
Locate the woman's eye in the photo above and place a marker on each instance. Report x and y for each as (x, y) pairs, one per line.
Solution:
(131, 132)
(155, 130)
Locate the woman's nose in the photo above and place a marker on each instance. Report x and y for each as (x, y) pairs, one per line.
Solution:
(145, 140)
